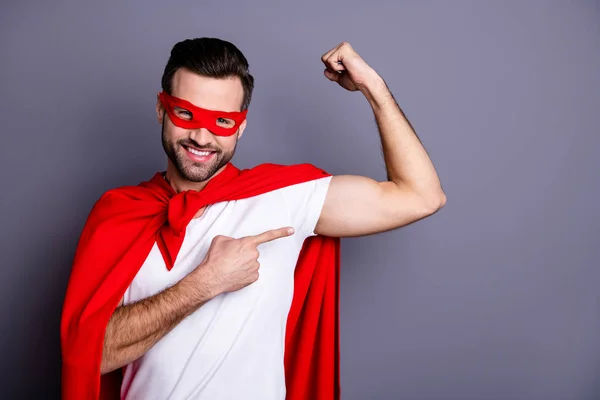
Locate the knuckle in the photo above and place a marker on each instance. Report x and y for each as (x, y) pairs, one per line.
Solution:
(220, 238)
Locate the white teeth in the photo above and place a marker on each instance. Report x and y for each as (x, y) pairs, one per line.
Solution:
(198, 153)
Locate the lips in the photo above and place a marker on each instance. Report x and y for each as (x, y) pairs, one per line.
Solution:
(199, 152)
(198, 155)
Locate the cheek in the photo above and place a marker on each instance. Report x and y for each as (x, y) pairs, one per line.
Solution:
(174, 133)
(226, 143)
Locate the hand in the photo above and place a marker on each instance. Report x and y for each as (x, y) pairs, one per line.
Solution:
(344, 66)
(232, 264)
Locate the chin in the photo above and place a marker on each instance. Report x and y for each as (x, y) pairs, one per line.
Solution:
(196, 173)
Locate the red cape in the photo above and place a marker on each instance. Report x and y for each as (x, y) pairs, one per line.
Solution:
(119, 233)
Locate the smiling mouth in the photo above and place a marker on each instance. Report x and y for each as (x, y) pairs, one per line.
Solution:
(199, 152)
(199, 155)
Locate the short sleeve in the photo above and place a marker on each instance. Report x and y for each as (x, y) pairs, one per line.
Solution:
(305, 202)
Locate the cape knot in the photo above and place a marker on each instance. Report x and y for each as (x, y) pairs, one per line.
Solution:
(175, 214)
(180, 210)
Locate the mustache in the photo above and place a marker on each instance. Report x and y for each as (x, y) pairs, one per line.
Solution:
(192, 143)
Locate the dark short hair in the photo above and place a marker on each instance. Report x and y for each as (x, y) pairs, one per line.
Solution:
(210, 57)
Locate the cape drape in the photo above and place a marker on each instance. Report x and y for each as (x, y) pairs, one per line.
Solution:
(119, 233)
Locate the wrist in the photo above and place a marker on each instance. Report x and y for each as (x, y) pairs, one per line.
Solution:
(200, 285)
(376, 91)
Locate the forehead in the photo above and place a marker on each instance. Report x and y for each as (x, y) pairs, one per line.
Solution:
(226, 94)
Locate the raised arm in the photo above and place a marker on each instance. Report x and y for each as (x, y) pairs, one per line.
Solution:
(357, 205)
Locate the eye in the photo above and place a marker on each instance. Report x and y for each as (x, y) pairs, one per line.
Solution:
(225, 122)
(183, 113)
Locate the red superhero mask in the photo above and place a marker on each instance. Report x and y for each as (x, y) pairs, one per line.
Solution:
(186, 115)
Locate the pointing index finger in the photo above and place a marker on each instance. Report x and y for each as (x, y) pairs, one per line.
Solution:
(271, 235)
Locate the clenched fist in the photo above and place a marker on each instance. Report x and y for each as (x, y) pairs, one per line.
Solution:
(344, 66)
(232, 264)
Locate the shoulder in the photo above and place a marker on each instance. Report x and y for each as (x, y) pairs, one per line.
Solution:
(127, 197)
(290, 169)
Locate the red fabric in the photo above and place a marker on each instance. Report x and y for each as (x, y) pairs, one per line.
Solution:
(202, 118)
(122, 228)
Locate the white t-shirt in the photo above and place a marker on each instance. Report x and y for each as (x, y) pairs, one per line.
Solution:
(233, 346)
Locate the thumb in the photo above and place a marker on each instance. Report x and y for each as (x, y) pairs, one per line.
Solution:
(332, 75)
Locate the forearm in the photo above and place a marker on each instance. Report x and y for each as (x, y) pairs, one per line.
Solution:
(407, 162)
(134, 329)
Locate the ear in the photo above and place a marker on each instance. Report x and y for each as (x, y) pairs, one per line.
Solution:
(160, 110)
(242, 128)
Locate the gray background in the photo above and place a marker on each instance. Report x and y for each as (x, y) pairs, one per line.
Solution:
(495, 297)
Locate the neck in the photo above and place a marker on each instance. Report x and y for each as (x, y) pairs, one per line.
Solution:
(180, 184)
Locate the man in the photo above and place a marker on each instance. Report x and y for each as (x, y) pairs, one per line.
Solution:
(216, 297)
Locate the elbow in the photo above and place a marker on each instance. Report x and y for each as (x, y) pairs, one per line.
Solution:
(441, 200)
(435, 202)
(108, 363)
(105, 368)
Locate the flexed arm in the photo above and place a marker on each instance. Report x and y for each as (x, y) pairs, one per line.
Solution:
(357, 205)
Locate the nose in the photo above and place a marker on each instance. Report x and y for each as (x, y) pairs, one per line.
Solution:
(202, 136)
